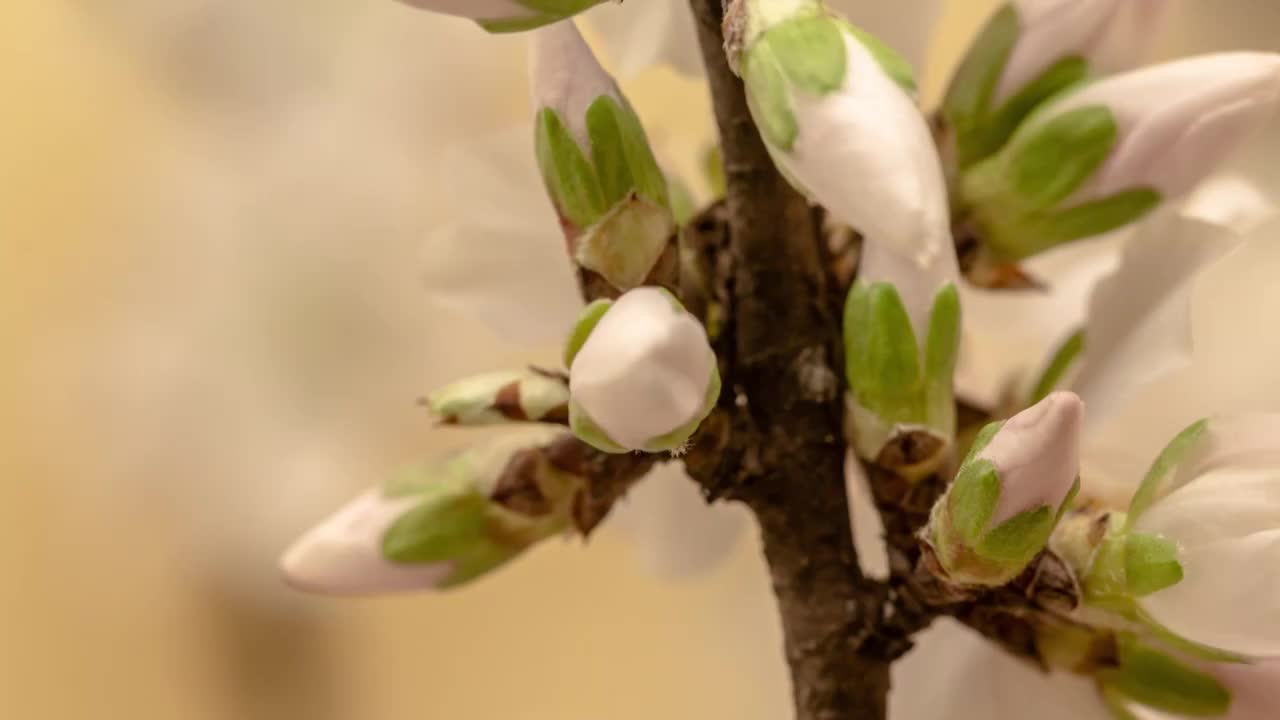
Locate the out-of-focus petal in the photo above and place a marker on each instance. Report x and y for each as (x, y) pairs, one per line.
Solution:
(956, 674)
(673, 530)
(640, 34)
(502, 259)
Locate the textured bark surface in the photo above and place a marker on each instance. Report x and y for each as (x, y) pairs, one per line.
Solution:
(781, 341)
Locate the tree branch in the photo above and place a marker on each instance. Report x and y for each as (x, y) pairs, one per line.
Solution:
(786, 456)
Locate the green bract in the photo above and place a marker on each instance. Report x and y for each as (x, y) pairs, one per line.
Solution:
(805, 53)
(612, 196)
(543, 12)
(894, 382)
(973, 552)
(1155, 679)
(979, 126)
(454, 520)
(1020, 197)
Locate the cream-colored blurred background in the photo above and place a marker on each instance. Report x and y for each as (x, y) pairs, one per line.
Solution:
(211, 215)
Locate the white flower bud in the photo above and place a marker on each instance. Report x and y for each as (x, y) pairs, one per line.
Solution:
(1107, 35)
(901, 334)
(437, 524)
(1101, 157)
(1009, 493)
(596, 162)
(507, 15)
(645, 375)
(834, 106)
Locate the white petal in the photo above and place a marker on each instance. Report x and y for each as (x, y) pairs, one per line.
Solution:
(640, 34)
(956, 674)
(1177, 121)
(343, 555)
(1008, 335)
(868, 527)
(565, 76)
(1231, 201)
(1229, 596)
(644, 370)
(1223, 504)
(1139, 326)
(866, 154)
(502, 260)
(1052, 30)
(675, 532)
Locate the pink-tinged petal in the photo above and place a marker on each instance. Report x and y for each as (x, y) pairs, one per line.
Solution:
(639, 35)
(1037, 456)
(343, 555)
(1008, 336)
(1050, 31)
(956, 674)
(502, 260)
(675, 532)
(1139, 326)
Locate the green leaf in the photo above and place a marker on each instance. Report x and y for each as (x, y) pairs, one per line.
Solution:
(1186, 646)
(1062, 359)
(438, 529)
(1151, 563)
(883, 359)
(1154, 679)
(646, 175)
(476, 562)
(1049, 160)
(569, 178)
(713, 166)
(587, 322)
(810, 52)
(518, 24)
(612, 169)
(982, 440)
(942, 345)
(683, 205)
(1022, 237)
(1017, 540)
(768, 97)
(1162, 469)
(972, 499)
(968, 98)
(893, 64)
(986, 137)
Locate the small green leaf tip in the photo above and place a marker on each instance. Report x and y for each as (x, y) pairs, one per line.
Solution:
(895, 384)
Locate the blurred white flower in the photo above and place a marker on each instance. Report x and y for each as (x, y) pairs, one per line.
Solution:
(643, 33)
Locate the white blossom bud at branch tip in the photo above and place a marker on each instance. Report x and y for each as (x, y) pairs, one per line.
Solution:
(1103, 156)
(642, 375)
(1009, 493)
(595, 161)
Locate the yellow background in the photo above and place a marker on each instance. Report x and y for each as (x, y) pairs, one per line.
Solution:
(104, 614)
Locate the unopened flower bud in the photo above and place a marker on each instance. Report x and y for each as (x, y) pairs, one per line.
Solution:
(642, 375)
(438, 524)
(902, 336)
(1195, 553)
(529, 395)
(835, 108)
(504, 16)
(596, 162)
(1029, 51)
(1103, 156)
(1010, 492)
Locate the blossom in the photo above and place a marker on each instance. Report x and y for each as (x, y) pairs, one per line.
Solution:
(507, 15)
(1103, 156)
(642, 374)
